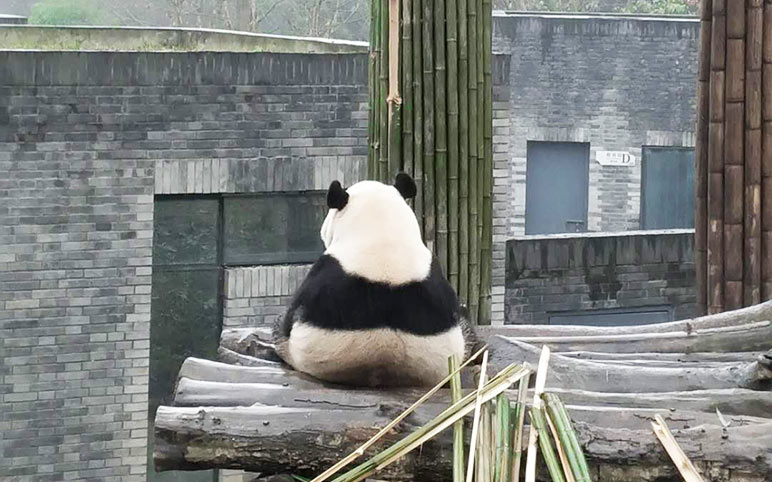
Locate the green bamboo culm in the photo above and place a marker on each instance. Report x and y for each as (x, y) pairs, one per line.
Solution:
(439, 130)
(458, 427)
(501, 467)
(539, 422)
(567, 436)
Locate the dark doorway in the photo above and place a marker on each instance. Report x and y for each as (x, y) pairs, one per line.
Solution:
(667, 188)
(557, 177)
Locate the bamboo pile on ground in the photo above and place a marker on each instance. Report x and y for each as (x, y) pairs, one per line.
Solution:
(431, 116)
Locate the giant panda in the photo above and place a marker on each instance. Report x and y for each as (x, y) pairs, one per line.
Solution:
(375, 310)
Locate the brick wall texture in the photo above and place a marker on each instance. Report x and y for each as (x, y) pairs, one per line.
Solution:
(617, 83)
(86, 140)
(564, 273)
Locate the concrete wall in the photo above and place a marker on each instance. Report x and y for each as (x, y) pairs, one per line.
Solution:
(616, 82)
(565, 273)
(86, 140)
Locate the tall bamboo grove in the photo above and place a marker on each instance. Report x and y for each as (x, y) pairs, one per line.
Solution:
(733, 223)
(431, 116)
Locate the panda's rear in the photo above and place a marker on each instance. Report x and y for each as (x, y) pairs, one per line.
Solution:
(375, 309)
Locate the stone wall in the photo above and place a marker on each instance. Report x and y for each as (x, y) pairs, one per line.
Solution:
(615, 82)
(86, 140)
(559, 274)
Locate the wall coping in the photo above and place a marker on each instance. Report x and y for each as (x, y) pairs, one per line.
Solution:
(597, 16)
(164, 39)
(604, 234)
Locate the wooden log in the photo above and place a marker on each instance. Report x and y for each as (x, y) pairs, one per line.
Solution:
(307, 440)
(672, 359)
(569, 372)
(755, 336)
(761, 312)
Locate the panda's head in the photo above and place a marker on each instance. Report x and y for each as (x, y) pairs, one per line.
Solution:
(373, 233)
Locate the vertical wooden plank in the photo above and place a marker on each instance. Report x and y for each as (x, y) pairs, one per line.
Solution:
(701, 156)
(715, 238)
(752, 215)
(766, 155)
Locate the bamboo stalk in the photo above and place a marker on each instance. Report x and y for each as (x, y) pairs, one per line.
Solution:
(766, 157)
(561, 451)
(463, 153)
(715, 241)
(371, 97)
(683, 464)
(476, 419)
(501, 467)
(474, 246)
(441, 139)
(485, 446)
(538, 389)
(487, 212)
(407, 87)
(455, 373)
(539, 423)
(458, 427)
(701, 157)
(418, 126)
(734, 138)
(446, 418)
(429, 127)
(752, 221)
(394, 99)
(451, 39)
(519, 422)
(568, 439)
(375, 99)
(383, 161)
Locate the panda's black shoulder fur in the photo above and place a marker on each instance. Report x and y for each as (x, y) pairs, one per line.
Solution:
(333, 299)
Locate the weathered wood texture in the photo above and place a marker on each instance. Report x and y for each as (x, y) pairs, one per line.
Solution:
(439, 128)
(256, 414)
(733, 230)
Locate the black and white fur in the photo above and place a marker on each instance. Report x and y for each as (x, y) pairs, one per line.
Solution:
(375, 309)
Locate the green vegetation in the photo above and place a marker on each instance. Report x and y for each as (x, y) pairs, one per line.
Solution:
(67, 12)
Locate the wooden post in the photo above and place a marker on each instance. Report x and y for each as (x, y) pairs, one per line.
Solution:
(766, 159)
(406, 56)
(752, 222)
(451, 39)
(394, 100)
(418, 123)
(734, 183)
(701, 157)
(441, 137)
(715, 238)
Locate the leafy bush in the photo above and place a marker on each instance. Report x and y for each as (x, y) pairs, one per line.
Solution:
(66, 12)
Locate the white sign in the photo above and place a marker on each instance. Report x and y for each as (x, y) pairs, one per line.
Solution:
(615, 158)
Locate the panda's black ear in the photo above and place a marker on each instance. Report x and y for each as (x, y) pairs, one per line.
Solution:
(405, 185)
(337, 197)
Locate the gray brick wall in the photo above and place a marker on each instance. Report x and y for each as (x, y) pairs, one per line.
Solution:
(86, 140)
(567, 273)
(618, 83)
(258, 295)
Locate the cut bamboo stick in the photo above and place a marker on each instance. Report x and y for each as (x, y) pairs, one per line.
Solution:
(681, 461)
(501, 467)
(476, 420)
(463, 153)
(539, 425)
(383, 161)
(458, 427)
(541, 380)
(486, 248)
(518, 417)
